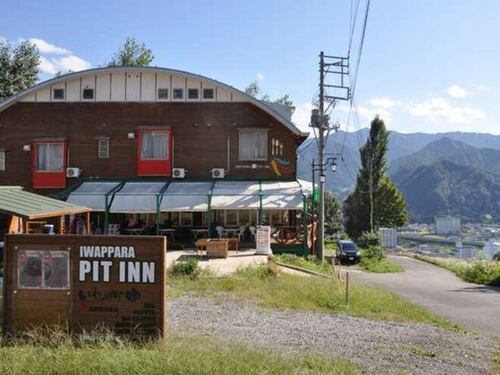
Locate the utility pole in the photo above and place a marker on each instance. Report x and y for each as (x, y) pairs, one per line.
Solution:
(339, 67)
(321, 155)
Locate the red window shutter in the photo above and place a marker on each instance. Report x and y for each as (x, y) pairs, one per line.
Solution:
(153, 164)
(49, 179)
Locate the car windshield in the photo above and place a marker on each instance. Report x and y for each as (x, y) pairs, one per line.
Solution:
(349, 246)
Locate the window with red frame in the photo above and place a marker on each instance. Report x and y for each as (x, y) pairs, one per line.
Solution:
(153, 154)
(49, 165)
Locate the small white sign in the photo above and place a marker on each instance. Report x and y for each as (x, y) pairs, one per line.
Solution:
(263, 240)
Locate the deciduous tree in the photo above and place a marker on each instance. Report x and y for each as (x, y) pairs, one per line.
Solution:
(132, 53)
(18, 68)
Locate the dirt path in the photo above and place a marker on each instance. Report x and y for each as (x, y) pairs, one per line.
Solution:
(440, 291)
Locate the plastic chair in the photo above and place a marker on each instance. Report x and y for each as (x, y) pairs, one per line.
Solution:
(252, 232)
(241, 232)
(219, 230)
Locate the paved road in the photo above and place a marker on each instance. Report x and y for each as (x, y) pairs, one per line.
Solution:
(440, 291)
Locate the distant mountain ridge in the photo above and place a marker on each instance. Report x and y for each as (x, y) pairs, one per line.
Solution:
(444, 173)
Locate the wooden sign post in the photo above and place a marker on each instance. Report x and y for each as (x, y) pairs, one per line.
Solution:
(115, 282)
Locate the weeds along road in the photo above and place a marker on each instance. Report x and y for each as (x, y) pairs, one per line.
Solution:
(472, 306)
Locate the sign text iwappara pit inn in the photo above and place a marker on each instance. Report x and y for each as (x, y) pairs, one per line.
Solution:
(106, 257)
(83, 282)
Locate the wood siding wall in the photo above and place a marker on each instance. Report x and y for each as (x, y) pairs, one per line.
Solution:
(200, 132)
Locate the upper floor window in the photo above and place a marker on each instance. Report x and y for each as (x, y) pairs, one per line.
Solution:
(49, 164)
(178, 94)
(162, 93)
(252, 144)
(88, 94)
(154, 152)
(208, 93)
(103, 148)
(58, 94)
(193, 93)
(154, 145)
(50, 157)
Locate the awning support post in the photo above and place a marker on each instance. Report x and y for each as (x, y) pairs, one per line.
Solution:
(304, 222)
(87, 222)
(260, 204)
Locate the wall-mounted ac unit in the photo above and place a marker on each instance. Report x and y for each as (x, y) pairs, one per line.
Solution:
(178, 173)
(218, 173)
(73, 172)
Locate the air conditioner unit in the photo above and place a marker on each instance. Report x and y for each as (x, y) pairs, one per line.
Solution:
(178, 173)
(73, 172)
(218, 173)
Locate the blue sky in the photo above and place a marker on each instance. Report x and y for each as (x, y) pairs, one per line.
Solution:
(427, 65)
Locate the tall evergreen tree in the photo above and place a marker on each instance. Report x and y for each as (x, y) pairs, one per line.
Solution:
(18, 68)
(376, 201)
(132, 54)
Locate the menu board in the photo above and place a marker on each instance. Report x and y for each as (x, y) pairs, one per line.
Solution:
(263, 239)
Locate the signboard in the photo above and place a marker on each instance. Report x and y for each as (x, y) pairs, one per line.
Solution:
(263, 239)
(118, 282)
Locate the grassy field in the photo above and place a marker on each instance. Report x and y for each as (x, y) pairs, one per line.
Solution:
(380, 266)
(180, 355)
(307, 293)
(311, 263)
(478, 272)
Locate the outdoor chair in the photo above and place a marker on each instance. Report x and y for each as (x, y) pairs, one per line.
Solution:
(252, 232)
(220, 231)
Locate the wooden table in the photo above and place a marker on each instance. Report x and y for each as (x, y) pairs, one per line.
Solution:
(232, 243)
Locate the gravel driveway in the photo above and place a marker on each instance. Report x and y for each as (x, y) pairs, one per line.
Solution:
(377, 347)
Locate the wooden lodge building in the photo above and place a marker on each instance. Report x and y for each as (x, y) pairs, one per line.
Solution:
(158, 147)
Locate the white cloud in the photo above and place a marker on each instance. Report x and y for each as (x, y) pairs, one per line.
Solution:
(260, 76)
(302, 116)
(63, 64)
(48, 48)
(482, 88)
(439, 109)
(2, 39)
(457, 91)
(383, 102)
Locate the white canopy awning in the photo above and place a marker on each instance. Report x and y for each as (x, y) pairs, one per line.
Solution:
(235, 195)
(186, 196)
(92, 194)
(282, 195)
(137, 197)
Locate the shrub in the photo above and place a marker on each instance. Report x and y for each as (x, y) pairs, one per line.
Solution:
(187, 268)
(373, 252)
(380, 266)
(497, 257)
(368, 239)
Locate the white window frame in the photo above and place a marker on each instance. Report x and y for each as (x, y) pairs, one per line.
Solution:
(93, 93)
(240, 148)
(48, 144)
(54, 93)
(158, 93)
(197, 93)
(206, 89)
(103, 142)
(173, 93)
(167, 132)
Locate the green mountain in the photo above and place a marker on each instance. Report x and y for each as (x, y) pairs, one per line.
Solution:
(445, 187)
(487, 159)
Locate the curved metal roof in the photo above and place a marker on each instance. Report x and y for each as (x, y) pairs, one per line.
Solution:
(131, 69)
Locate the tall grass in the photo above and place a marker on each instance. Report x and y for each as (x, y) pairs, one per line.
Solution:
(179, 355)
(477, 272)
(289, 291)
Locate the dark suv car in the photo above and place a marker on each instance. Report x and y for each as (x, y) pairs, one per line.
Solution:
(347, 251)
